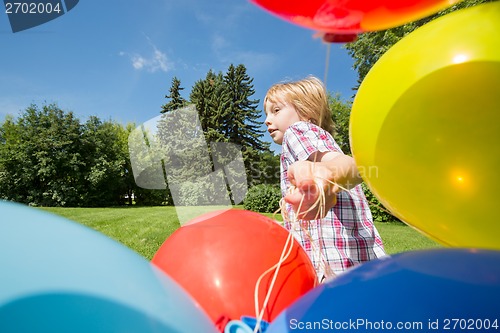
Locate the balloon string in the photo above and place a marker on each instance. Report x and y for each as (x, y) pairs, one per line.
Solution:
(287, 249)
(319, 205)
(327, 61)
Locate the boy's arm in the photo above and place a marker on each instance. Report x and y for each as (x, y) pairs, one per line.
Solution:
(330, 171)
(342, 168)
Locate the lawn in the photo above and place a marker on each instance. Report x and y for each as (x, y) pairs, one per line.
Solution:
(144, 229)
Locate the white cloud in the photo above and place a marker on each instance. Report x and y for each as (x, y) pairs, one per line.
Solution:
(157, 61)
(138, 61)
(160, 59)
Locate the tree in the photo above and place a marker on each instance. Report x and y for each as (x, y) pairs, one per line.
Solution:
(210, 100)
(132, 190)
(240, 124)
(341, 112)
(224, 126)
(228, 114)
(13, 182)
(106, 159)
(265, 169)
(48, 158)
(176, 100)
(370, 46)
(146, 175)
(41, 159)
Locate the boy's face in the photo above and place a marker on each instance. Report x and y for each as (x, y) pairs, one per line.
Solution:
(279, 116)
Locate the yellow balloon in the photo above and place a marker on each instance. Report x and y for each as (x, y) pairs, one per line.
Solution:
(425, 128)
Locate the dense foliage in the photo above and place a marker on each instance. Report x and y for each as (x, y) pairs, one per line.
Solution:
(48, 157)
(263, 198)
(223, 131)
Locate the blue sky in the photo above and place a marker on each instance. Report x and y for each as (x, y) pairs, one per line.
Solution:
(116, 59)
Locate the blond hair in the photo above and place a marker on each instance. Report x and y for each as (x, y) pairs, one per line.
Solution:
(309, 98)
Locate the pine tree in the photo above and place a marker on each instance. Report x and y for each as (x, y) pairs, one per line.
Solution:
(228, 115)
(241, 125)
(176, 100)
(183, 132)
(208, 96)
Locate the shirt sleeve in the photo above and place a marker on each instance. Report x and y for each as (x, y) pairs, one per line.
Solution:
(304, 138)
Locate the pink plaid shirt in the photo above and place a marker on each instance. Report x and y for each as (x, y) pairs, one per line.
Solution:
(346, 236)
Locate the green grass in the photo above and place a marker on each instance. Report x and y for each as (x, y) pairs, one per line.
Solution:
(399, 237)
(144, 229)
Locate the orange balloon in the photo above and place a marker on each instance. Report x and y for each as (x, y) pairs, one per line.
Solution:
(219, 257)
(353, 16)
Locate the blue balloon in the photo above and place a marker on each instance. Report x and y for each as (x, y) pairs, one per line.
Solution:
(421, 291)
(59, 276)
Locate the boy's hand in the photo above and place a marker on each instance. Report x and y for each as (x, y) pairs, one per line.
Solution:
(307, 178)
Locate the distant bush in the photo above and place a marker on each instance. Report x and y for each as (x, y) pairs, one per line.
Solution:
(263, 198)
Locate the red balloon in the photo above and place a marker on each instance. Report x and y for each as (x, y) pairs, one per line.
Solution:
(218, 258)
(353, 16)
